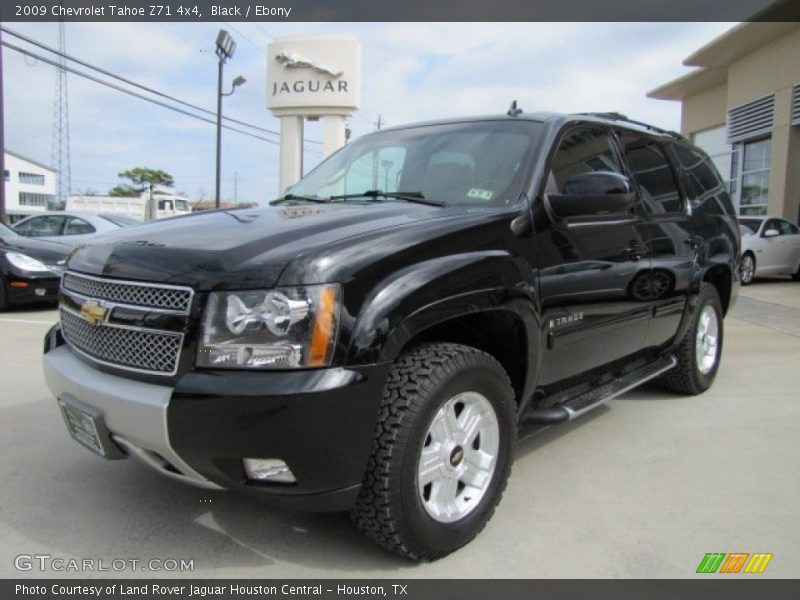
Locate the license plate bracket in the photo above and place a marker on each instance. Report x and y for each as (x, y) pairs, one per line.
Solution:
(87, 427)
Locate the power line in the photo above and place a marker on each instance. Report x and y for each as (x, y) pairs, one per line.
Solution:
(130, 92)
(266, 33)
(135, 84)
(247, 39)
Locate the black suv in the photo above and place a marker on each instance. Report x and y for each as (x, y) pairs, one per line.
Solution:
(377, 339)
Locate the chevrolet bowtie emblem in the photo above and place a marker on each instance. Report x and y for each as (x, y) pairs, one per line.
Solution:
(93, 312)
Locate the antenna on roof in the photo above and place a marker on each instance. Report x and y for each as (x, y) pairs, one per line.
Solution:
(513, 111)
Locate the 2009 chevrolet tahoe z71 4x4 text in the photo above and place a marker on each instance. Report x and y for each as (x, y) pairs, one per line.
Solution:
(374, 340)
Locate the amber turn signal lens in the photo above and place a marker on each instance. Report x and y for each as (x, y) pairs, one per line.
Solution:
(319, 354)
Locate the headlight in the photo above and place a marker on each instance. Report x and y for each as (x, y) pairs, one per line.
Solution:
(23, 262)
(275, 329)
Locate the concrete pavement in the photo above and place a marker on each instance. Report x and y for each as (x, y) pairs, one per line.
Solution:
(643, 487)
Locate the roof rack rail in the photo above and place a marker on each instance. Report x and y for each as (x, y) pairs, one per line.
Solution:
(615, 116)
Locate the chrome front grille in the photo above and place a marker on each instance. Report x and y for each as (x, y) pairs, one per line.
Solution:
(131, 293)
(131, 339)
(142, 350)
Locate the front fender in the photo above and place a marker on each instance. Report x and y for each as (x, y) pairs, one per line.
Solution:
(436, 290)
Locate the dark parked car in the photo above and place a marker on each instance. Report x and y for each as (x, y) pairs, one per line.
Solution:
(375, 340)
(29, 269)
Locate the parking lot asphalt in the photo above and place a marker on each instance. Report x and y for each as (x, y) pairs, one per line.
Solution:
(642, 487)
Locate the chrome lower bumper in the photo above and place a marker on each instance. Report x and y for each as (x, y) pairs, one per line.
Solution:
(134, 412)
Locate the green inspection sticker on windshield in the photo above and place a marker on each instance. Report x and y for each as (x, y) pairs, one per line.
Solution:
(480, 193)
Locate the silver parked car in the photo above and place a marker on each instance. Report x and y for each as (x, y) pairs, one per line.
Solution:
(76, 224)
(770, 246)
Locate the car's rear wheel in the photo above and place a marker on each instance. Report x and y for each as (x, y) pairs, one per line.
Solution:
(747, 268)
(442, 453)
(699, 350)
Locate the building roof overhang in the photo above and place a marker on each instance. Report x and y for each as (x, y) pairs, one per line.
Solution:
(692, 83)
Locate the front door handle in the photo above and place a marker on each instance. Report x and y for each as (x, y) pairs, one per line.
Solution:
(633, 251)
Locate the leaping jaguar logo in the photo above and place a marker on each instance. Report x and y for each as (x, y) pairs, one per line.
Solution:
(294, 61)
(93, 312)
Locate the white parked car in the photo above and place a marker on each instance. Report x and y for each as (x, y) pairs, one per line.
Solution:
(770, 246)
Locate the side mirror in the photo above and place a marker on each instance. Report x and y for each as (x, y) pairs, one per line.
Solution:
(598, 195)
(771, 233)
(521, 225)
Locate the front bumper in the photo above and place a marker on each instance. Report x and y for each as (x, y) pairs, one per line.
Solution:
(320, 422)
(23, 289)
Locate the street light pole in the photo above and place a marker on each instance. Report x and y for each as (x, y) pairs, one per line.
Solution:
(225, 49)
(219, 132)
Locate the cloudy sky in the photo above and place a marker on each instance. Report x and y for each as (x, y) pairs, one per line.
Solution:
(410, 72)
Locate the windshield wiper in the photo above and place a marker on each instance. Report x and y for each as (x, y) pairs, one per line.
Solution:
(289, 197)
(417, 197)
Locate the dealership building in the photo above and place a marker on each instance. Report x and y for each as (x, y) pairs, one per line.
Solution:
(30, 186)
(742, 105)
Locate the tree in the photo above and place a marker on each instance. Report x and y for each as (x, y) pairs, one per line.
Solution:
(124, 190)
(142, 179)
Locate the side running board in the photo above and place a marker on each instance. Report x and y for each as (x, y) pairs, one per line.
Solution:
(583, 403)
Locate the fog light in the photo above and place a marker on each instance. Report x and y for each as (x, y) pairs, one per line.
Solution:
(268, 469)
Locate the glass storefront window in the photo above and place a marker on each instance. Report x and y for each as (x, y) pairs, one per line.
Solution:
(755, 177)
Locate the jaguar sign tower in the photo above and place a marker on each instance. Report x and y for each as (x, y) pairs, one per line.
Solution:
(311, 77)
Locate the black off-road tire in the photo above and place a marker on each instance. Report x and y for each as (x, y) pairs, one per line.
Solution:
(389, 510)
(686, 377)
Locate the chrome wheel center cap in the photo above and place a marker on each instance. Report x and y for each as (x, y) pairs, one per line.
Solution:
(456, 456)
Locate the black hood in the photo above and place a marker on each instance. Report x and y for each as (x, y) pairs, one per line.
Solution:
(46, 251)
(238, 249)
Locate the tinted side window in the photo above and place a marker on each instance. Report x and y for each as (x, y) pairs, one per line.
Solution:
(701, 180)
(77, 226)
(582, 150)
(774, 224)
(44, 226)
(653, 174)
(789, 228)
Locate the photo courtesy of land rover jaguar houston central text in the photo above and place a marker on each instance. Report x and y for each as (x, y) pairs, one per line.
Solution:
(376, 340)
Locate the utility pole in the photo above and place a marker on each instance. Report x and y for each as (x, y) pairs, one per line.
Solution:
(379, 123)
(2, 143)
(60, 149)
(235, 188)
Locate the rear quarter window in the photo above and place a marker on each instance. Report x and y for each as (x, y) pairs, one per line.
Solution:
(705, 189)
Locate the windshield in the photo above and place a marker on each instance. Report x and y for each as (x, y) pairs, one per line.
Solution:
(6, 230)
(749, 226)
(479, 163)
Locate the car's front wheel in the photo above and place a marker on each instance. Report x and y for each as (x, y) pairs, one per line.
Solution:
(442, 453)
(747, 268)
